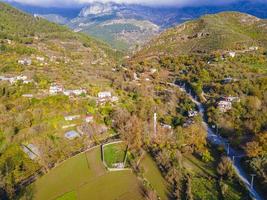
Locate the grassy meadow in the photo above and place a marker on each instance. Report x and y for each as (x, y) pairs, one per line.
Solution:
(83, 176)
(154, 177)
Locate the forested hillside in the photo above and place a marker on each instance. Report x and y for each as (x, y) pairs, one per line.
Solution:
(223, 31)
(222, 60)
(48, 74)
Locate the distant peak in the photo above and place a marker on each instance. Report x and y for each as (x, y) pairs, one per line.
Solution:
(97, 8)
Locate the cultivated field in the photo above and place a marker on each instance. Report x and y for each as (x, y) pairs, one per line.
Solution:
(84, 176)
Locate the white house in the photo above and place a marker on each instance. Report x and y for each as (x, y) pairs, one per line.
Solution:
(25, 61)
(253, 48)
(55, 89)
(232, 54)
(74, 92)
(232, 99)
(41, 59)
(153, 70)
(27, 95)
(71, 117)
(114, 99)
(103, 95)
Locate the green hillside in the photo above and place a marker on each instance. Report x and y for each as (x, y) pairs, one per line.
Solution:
(34, 55)
(223, 31)
(219, 58)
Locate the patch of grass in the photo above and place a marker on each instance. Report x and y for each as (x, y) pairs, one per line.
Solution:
(154, 177)
(85, 177)
(68, 196)
(114, 153)
(114, 185)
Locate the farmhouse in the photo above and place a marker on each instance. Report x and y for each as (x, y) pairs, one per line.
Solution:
(71, 135)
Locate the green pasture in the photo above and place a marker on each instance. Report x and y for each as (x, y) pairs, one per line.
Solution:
(154, 177)
(114, 153)
(84, 176)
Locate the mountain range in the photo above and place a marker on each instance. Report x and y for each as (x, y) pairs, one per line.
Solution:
(129, 26)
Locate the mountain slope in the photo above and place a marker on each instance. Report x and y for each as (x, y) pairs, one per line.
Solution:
(223, 31)
(38, 57)
(120, 25)
(73, 51)
(221, 60)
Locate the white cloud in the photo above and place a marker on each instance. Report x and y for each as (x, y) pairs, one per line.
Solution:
(178, 3)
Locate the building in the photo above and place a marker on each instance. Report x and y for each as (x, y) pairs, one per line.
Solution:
(114, 99)
(71, 117)
(55, 89)
(76, 92)
(166, 126)
(25, 61)
(103, 95)
(232, 54)
(253, 48)
(72, 135)
(227, 80)
(231, 99)
(224, 106)
(27, 95)
(40, 59)
(192, 113)
(89, 118)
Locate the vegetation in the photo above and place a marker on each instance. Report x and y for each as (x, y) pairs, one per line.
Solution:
(87, 177)
(114, 154)
(152, 116)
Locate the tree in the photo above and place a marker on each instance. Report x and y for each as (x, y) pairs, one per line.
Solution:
(253, 149)
(225, 168)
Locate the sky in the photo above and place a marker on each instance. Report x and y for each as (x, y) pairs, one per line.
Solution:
(176, 3)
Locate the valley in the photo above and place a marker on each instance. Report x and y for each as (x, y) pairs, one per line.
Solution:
(183, 116)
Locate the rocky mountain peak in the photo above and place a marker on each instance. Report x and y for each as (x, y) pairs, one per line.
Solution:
(98, 8)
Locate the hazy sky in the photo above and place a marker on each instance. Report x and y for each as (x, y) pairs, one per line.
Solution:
(177, 3)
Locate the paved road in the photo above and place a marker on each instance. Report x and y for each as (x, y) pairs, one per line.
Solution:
(218, 140)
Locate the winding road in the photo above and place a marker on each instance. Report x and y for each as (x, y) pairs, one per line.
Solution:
(218, 140)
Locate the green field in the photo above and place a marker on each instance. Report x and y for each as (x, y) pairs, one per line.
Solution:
(114, 153)
(153, 175)
(84, 176)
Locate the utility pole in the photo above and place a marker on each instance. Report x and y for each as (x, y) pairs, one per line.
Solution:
(228, 148)
(155, 123)
(252, 180)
